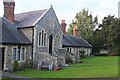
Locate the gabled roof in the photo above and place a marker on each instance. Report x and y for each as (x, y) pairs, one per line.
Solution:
(29, 19)
(72, 41)
(10, 34)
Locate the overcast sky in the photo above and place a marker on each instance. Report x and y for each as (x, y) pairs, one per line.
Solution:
(66, 9)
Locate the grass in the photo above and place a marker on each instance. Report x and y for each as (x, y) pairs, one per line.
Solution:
(93, 67)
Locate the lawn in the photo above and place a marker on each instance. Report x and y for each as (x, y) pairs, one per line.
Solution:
(93, 67)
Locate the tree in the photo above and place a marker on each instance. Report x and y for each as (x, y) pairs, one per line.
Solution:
(70, 29)
(110, 32)
(86, 24)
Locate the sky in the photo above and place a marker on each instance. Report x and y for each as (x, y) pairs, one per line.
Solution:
(67, 9)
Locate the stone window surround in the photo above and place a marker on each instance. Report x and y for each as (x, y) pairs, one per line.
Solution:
(17, 54)
(41, 41)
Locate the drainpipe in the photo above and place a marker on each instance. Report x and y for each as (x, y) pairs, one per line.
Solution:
(32, 41)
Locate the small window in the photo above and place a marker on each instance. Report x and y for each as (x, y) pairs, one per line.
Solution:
(14, 54)
(23, 54)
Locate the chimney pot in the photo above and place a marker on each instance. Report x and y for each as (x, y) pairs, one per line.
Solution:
(63, 26)
(76, 31)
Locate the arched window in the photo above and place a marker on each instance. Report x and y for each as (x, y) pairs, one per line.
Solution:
(42, 38)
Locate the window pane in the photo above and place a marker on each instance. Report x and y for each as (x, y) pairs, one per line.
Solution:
(14, 54)
(39, 39)
(42, 37)
(45, 39)
(18, 54)
(23, 54)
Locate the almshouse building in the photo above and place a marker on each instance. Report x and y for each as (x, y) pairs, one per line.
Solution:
(39, 36)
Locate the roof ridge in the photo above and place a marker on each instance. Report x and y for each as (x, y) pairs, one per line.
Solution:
(86, 41)
(30, 11)
(42, 15)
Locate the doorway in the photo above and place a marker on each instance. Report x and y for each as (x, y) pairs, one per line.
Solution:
(50, 44)
(2, 53)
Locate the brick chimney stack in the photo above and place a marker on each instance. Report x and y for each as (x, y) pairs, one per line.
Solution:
(76, 31)
(63, 26)
(9, 6)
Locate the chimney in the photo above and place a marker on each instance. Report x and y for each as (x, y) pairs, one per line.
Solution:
(63, 26)
(76, 31)
(9, 10)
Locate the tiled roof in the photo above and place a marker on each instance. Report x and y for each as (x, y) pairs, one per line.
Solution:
(11, 35)
(28, 19)
(72, 41)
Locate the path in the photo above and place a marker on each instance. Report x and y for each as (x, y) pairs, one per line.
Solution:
(10, 75)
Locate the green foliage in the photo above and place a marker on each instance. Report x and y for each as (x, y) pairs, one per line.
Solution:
(86, 23)
(82, 53)
(15, 65)
(107, 35)
(70, 29)
(28, 63)
(69, 60)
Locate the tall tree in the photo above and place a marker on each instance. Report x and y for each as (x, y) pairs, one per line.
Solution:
(110, 32)
(86, 23)
(70, 29)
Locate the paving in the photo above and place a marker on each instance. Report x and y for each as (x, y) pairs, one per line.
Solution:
(10, 75)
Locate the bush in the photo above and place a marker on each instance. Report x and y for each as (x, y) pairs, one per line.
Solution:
(82, 53)
(69, 60)
(15, 66)
(26, 64)
(30, 63)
